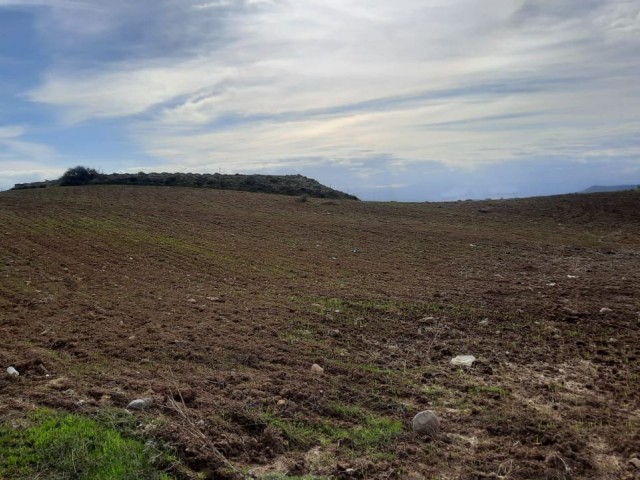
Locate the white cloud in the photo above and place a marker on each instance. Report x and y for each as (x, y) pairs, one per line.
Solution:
(24, 160)
(124, 92)
(281, 83)
(216, 4)
(11, 131)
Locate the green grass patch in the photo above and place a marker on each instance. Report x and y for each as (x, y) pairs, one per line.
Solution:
(373, 431)
(435, 392)
(283, 476)
(62, 446)
(365, 309)
(493, 390)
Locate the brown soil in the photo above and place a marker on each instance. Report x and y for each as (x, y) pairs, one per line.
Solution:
(216, 304)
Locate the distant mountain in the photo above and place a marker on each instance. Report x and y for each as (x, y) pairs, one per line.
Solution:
(609, 188)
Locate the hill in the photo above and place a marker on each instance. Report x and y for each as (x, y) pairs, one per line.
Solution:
(278, 184)
(609, 188)
(215, 304)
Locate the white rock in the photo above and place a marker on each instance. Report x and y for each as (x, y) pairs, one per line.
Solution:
(463, 360)
(605, 310)
(12, 371)
(426, 423)
(315, 368)
(484, 322)
(140, 404)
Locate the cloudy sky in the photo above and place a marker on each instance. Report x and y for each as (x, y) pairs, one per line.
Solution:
(388, 100)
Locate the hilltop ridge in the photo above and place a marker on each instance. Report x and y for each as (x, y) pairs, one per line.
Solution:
(277, 184)
(608, 188)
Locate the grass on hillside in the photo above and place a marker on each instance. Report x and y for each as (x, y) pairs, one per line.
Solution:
(54, 445)
(372, 432)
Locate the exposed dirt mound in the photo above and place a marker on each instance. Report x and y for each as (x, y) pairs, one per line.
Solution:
(216, 304)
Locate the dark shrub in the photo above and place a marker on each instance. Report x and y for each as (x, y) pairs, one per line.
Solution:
(78, 176)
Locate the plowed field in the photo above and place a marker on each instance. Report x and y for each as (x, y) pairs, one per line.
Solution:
(215, 305)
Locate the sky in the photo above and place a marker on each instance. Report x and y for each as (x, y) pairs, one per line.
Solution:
(405, 100)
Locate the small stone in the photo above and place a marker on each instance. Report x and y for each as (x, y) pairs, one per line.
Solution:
(484, 322)
(132, 337)
(635, 462)
(317, 369)
(426, 423)
(215, 299)
(282, 402)
(139, 404)
(334, 333)
(605, 310)
(463, 360)
(13, 372)
(191, 300)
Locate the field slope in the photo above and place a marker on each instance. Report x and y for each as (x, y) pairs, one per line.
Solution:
(215, 304)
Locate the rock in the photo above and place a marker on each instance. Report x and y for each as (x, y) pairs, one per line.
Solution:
(484, 322)
(605, 310)
(282, 402)
(13, 372)
(191, 300)
(463, 360)
(334, 333)
(140, 404)
(317, 369)
(426, 423)
(215, 299)
(635, 462)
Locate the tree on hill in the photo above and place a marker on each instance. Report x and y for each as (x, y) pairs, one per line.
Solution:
(78, 176)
